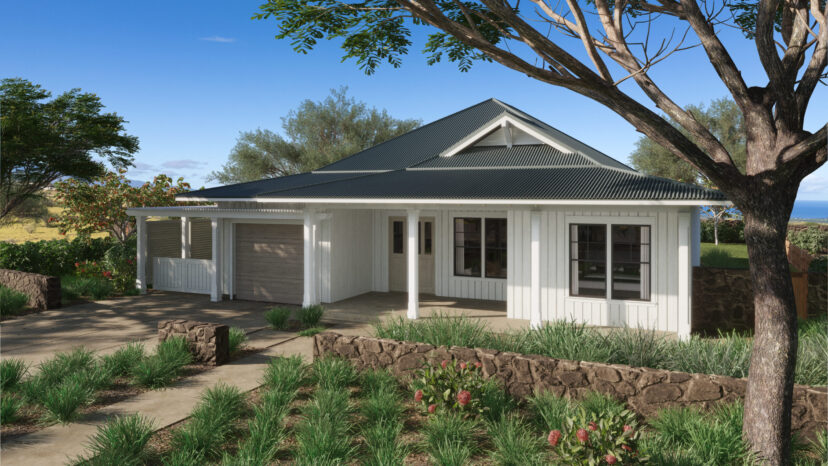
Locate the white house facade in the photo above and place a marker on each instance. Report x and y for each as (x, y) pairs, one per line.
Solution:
(488, 203)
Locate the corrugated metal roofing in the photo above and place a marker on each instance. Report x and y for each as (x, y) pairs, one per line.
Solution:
(594, 183)
(536, 155)
(253, 188)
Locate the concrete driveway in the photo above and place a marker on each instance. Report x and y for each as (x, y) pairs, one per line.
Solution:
(105, 325)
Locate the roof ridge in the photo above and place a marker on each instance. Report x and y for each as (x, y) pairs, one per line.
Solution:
(322, 169)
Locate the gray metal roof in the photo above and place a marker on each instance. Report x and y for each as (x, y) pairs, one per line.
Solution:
(410, 167)
(536, 155)
(589, 182)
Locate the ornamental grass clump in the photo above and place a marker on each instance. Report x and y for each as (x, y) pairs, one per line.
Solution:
(211, 423)
(375, 380)
(12, 371)
(310, 316)
(277, 317)
(514, 442)
(63, 401)
(11, 301)
(382, 411)
(382, 440)
(9, 407)
(549, 411)
(121, 441)
(729, 355)
(163, 367)
(123, 361)
(237, 337)
(438, 330)
(451, 438)
(323, 435)
(285, 374)
(566, 340)
(333, 373)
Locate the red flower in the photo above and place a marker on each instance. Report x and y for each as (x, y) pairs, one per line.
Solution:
(592, 426)
(626, 447)
(477, 364)
(583, 435)
(463, 397)
(610, 459)
(444, 364)
(627, 428)
(463, 365)
(77, 264)
(418, 395)
(432, 408)
(554, 437)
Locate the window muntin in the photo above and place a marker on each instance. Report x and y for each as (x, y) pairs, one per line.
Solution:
(588, 260)
(397, 237)
(495, 247)
(467, 247)
(631, 262)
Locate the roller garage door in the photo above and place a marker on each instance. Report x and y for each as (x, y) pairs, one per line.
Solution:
(269, 263)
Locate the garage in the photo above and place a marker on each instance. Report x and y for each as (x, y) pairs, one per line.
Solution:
(269, 263)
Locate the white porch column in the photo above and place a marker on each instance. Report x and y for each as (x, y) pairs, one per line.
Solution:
(413, 264)
(685, 277)
(695, 236)
(141, 259)
(535, 317)
(216, 270)
(186, 233)
(309, 239)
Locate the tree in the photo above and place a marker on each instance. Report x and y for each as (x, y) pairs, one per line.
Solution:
(723, 119)
(100, 206)
(318, 133)
(610, 58)
(44, 141)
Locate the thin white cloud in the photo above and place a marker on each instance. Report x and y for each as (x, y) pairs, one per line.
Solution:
(220, 39)
(183, 163)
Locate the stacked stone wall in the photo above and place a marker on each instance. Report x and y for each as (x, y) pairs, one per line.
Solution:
(43, 291)
(209, 343)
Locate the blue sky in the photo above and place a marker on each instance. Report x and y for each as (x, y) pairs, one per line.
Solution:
(189, 76)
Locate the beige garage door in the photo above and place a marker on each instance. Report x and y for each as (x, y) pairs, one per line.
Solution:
(269, 264)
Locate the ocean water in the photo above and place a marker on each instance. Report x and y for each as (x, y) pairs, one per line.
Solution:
(810, 210)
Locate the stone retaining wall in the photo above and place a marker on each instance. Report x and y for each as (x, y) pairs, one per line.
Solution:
(43, 291)
(644, 390)
(723, 299)
(209, 343)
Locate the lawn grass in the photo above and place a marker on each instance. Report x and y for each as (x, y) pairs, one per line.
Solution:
(725, 255)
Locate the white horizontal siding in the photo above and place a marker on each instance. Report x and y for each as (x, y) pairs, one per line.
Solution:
(185, 275)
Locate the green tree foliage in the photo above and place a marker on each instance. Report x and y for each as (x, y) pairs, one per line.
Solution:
(44, 140)
(101, 206)
(316, 134)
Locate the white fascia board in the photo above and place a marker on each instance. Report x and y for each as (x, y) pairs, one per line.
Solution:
(530, 202)
(173, 212)
(499, 122)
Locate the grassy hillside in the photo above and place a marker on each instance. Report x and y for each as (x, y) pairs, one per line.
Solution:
(18, 230)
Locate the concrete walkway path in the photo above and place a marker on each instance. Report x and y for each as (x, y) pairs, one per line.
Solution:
(57, 444)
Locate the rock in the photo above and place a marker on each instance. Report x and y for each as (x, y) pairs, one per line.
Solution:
(660, 393)
(701, 388)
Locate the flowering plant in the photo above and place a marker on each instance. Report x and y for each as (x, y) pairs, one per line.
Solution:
(90, 269)
(450, 385)
(593, 439)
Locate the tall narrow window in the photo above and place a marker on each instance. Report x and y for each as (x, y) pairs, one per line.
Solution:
(467, 247)
(495, 247)
(588, 260)
(630, 262)
(398, 237)
(428, 240)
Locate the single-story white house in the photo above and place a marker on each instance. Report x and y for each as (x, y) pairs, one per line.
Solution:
(488, 203)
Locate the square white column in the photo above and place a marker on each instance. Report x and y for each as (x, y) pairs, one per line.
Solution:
(413, 260)
(535, 317)
(141, 259)
(685, 277)
(186, 235)
(309, 228)
(216, 225)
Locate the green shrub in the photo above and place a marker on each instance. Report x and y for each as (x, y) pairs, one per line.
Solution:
(54, 258)
(819, 265)
(449, 386)
(9, 406)
(121, 441)
(311, 315)
(730, 231)
(333, 373)
(73, 287)
(383, 445)
(124, 360)
(812, 238)
(119, 260)
(549, 411)
(12, 371)
(309, 332)
(11, 301)
(514, 443)
(285, 374)
(278, 317)
(590, 438)
(237, 339)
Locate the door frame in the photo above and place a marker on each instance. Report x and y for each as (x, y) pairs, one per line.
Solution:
(427, 259)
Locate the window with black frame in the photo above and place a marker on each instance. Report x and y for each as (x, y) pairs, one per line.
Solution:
(467, 247)
(495, 247)
(588, 260)
(631, 262)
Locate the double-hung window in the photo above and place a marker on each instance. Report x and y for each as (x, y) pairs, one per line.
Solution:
(625, 253)
(480, 247)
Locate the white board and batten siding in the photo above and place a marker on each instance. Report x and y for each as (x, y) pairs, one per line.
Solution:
(184, 275)
(669, 305)
(346, 254)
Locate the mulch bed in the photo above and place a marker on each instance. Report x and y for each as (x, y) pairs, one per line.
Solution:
(30, 417)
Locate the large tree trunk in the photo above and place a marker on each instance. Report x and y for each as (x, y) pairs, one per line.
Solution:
(767, 421)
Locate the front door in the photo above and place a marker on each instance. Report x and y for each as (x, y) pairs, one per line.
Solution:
(397, 262)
